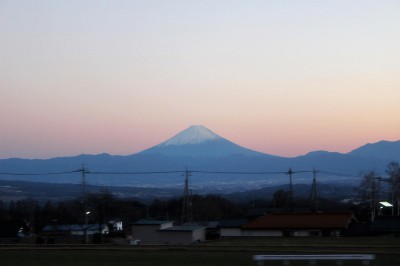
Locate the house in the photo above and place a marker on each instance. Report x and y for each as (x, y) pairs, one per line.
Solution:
(183, 234)
(146, 231)
(298, 224)
(165, 233)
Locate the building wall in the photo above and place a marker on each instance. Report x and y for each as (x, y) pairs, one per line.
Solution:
(153, 234)
(171, 238)
(181, 237)
(302, 233)
(295, 233)
(256, 233)
(146, 234)
(199, 235)
(230, 232)
(333, 232)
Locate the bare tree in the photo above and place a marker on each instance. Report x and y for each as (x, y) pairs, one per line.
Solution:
(369, 191)
(393, 171)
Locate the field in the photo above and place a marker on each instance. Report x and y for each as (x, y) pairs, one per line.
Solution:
(218, 253)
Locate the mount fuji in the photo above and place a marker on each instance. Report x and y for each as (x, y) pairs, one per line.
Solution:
(208, 156)
(199, 141)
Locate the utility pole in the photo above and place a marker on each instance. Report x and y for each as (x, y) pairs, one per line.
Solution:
(290, 172)
(190, 210)
(84, 171)
(186, 198)
(313, 196)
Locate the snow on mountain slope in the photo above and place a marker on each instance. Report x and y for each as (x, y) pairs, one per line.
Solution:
(199, 141)
(192, 135)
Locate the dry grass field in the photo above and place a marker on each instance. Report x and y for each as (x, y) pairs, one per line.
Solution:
(218, 253)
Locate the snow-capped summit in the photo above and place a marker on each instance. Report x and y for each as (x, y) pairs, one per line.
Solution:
(192, 135)
(199, 141)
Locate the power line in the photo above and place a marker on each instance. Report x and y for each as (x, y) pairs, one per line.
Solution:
(178, 171)
(236, 173)
(338, 174)
(51, 173)
(135, 173)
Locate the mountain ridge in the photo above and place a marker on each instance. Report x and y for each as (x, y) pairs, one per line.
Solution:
(205, 152)
(392, 150)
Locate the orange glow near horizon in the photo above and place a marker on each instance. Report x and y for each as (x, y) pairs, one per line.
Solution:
(279, 78)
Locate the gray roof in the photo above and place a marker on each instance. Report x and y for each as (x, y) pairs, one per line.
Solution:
(151, 222)
(185, 228)
(212, 224)
(70, 227)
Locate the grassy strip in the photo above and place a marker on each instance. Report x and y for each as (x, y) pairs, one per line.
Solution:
(150, 258)
(217, 253)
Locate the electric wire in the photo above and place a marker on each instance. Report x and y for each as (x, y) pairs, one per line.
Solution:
(86, 171)
(50, 173)
(235, 173)
(133, 173)
(338, 174)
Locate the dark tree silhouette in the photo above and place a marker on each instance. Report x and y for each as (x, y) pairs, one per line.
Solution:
(393, 170)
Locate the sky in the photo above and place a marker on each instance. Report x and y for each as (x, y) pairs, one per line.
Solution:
(280, 77)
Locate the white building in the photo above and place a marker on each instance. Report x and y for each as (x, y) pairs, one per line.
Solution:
(165, 233)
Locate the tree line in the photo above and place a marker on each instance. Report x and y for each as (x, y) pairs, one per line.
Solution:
(104, 206)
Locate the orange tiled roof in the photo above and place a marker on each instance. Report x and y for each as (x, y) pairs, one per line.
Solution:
(300, 220)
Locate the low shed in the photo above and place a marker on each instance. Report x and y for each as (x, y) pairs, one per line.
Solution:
(152, 232)
(183, 234)
(147, 231)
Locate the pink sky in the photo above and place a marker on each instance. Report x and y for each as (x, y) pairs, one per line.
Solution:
(279, 77)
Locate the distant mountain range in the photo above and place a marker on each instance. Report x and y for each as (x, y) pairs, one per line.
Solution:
(214, 162)
(386, 150)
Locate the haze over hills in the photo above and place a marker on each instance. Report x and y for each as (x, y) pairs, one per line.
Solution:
(215, 163)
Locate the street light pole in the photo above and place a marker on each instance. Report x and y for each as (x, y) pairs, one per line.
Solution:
(86, 226)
